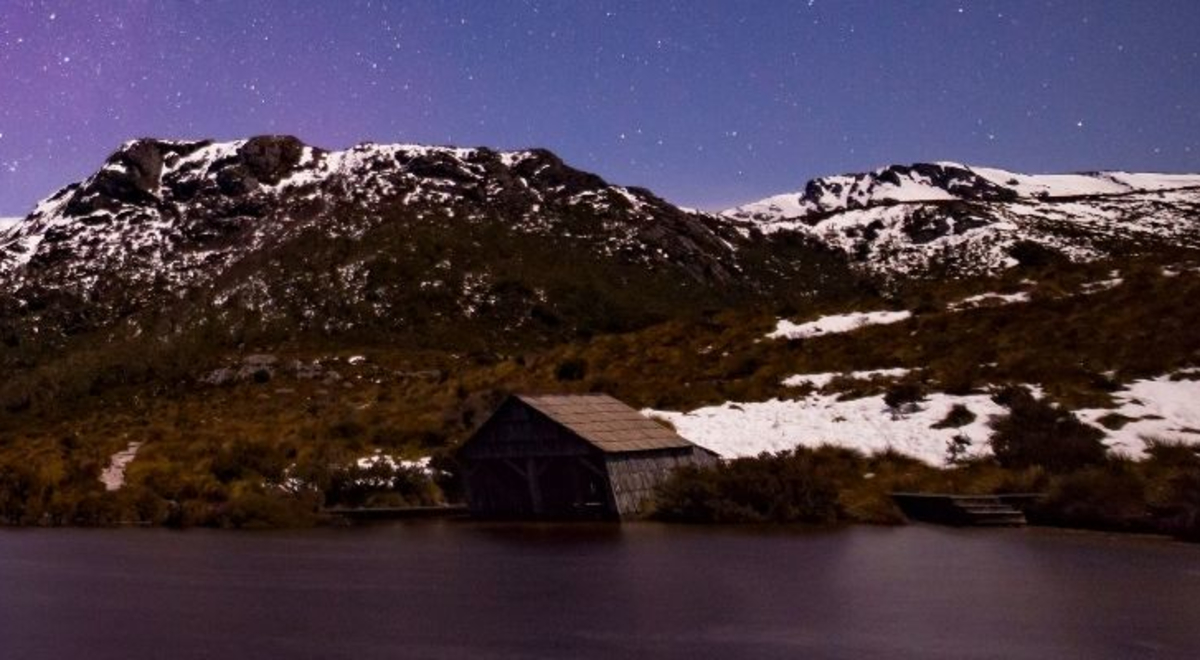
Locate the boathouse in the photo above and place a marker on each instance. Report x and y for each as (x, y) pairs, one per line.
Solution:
(570, 456)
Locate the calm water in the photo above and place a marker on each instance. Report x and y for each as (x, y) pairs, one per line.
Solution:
(462, 590)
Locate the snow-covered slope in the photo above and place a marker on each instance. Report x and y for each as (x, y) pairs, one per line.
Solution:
(375, 235)
(1162, 408)
(165, 207)
(904, 220)
(867, 424)
(6, 224)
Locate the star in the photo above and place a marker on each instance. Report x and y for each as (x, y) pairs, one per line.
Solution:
(698, 95)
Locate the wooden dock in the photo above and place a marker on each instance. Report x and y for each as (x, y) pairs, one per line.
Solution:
(1005, 510)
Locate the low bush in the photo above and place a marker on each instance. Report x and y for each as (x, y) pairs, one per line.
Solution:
(787, 487)
(814, 486)
(1111, 497)
(1036, 433)
(958, 416)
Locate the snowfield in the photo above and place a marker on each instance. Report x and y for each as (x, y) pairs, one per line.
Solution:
(868, 424)
(1160, 408)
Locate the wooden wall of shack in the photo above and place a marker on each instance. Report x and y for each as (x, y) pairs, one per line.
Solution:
(634, 475)
(521, 464)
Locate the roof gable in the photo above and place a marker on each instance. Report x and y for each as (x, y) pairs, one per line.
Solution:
(604, 422)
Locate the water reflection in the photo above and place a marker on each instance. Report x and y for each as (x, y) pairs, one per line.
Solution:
(458, 590)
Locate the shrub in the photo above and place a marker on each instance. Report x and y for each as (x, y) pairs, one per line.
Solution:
(1179, 509)
(1037, 433)
(784, 487)
(1174, 486)
(957, 448)
(903, 397)
(571, 369)
(740, 365)
(251, 509)
(958, 416)
(1109, 497)
(1031, 254)
(380, 483)
(1171, 454)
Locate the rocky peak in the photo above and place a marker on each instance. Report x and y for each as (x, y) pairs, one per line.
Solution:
(900, 183)
(945, 182)
(947, 217)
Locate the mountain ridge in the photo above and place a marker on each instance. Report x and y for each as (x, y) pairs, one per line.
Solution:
(907, 220)
(949, 181)
(407, 235)
(278, 233)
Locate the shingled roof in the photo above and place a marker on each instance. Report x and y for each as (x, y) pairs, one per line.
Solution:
(604, 422)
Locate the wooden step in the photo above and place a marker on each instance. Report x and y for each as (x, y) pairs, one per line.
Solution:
(987, 508)
(990, 513)
(969, 510)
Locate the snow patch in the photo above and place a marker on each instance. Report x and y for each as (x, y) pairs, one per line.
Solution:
(868, 424)
(989, 300)
(835, 324)
(1100, 285)
(113, 476)
(1158, 407)
(380, 458)
(821, 380)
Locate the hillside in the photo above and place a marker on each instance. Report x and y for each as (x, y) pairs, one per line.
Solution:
(227, 330)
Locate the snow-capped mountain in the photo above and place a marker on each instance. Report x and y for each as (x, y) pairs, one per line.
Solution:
(7, 224)
(270, 232)
(173, 209)
(294, 235)
(946, 216)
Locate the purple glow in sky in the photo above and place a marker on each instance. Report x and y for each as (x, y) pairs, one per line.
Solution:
(708, 103)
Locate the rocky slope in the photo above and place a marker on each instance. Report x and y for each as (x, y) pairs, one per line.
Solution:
(945, 217)
(272, 233)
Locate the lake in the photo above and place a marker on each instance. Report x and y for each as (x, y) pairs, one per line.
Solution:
(447, 589)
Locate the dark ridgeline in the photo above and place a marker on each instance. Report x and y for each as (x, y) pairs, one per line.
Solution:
(570, 456)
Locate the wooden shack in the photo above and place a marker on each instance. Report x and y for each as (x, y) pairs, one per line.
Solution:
(570, 456)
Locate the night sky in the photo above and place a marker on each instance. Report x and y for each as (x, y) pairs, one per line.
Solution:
(707, 103)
